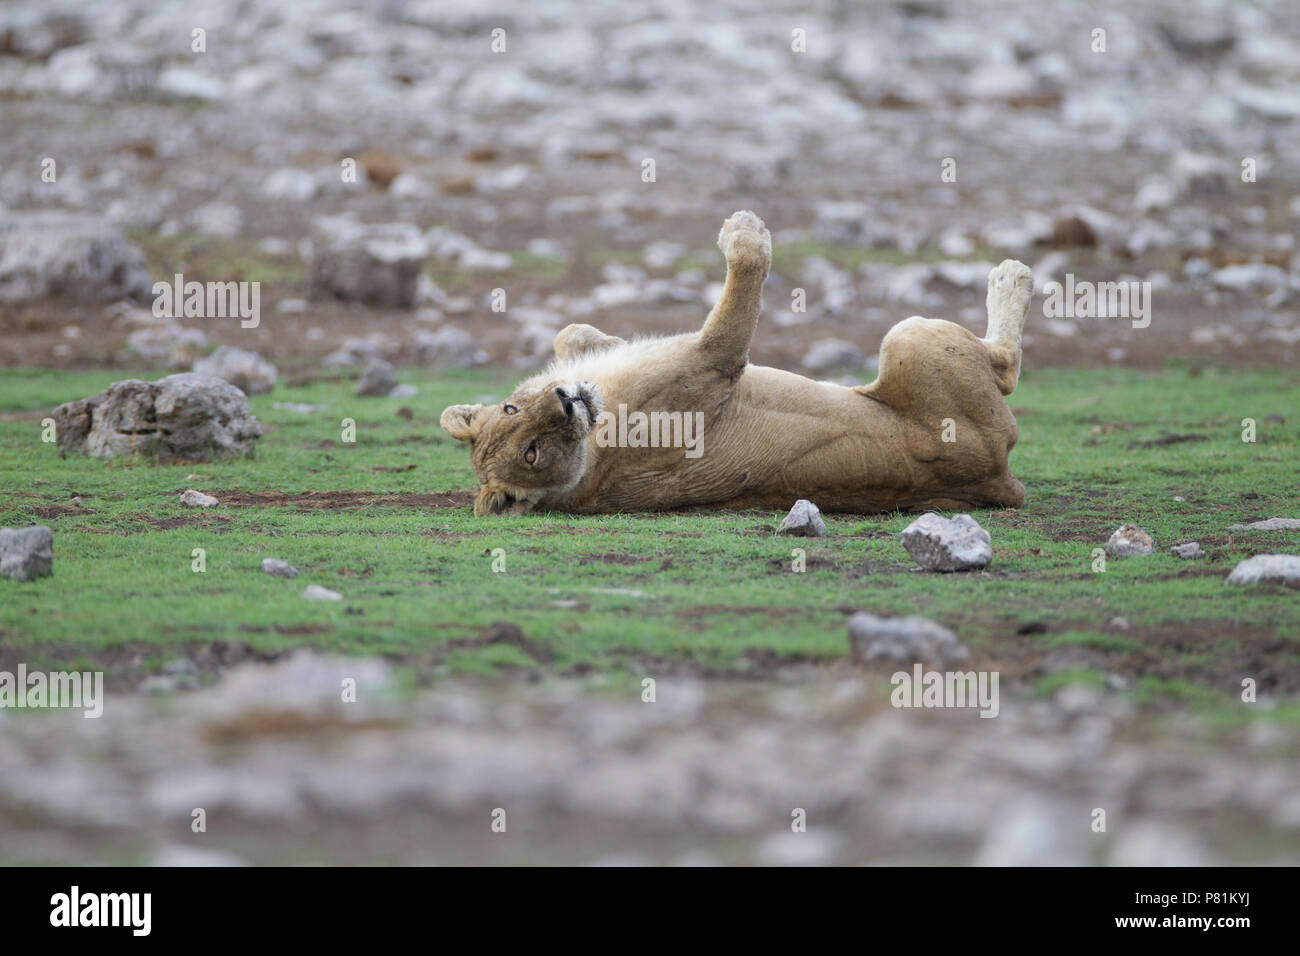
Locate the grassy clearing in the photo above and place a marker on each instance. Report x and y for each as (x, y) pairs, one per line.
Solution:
(692, 591)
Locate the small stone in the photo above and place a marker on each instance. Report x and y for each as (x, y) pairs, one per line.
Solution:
(377, 380)
(247, 371)
(1281, 568)
(404, 391)
(449, 347)
(1269, 524)
(829, 354)
(804, 520)
(26, 553)
(1188, 551)
(315, 592)
(937, 543)
(903, 640)
(1130, 541)
(197, 499)
(278, 569)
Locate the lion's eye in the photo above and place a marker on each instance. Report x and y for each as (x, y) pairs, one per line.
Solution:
(530, 456)
(509, 409)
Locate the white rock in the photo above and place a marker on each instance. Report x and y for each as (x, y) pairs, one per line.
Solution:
(197, 499)
(1269, 524)
(937, 543)
(1284, 568)
(247, 371)
(1130, 541)
(903, 640)
(278, 569)
(804, 520)
(315, 592)
(1188, 551)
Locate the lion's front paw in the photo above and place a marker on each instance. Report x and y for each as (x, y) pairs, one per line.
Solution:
(745, 242)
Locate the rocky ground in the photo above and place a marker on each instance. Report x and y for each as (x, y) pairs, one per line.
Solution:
(523, 169)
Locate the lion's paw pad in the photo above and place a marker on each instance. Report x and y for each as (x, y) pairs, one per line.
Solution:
(744, 236)
(1010, 274)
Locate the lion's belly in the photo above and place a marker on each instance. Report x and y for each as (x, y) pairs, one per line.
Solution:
(778, 436)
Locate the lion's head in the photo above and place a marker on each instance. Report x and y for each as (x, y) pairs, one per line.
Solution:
(532, 445)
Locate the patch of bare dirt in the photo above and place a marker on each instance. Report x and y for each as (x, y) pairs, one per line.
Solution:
(343, 499)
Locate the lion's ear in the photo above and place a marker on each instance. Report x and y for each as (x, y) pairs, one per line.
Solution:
(492, 501)
(462, 422)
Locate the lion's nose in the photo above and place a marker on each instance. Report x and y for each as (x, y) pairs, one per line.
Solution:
(566, 401)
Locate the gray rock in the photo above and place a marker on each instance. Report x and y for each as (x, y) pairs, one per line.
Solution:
(1188, 551)
(352, 353)
(247, 371)
(1269, 524)
(804, 520)
(278, 569)
(958, 543)
(903, 640)
(829, 354)
(448, 347)
(26, 553)
(1130, 541)
(197, 499)
(1283, 568)
(182, 416)
(404, 391)
(167, 343)
(378, 379)
(379, 265)
(315, 592)
(78, 256)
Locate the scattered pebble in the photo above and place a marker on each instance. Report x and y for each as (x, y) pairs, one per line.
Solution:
(903, 640)
(804, 520)
(958, 543)
(1130, 541)
(279, 569)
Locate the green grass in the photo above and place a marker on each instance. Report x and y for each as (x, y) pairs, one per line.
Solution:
(688, 591)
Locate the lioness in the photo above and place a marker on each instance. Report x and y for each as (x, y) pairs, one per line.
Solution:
(931, 432)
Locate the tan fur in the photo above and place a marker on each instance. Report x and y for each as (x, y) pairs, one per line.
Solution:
(769, 436)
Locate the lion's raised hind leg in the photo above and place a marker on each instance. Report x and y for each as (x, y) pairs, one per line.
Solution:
(578, 339)
(747, 246)
(1011, 286)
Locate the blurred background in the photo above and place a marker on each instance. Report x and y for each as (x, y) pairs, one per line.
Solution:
(513, 141)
